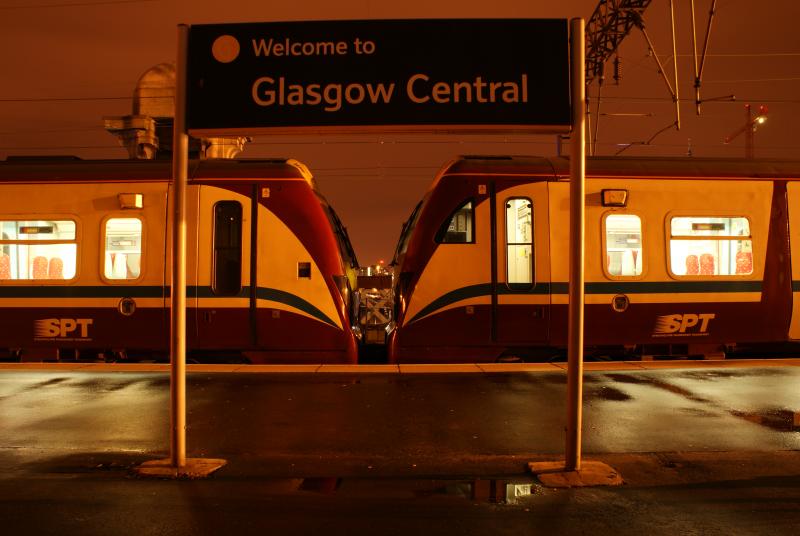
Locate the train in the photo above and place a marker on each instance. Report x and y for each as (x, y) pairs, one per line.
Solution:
(684, 257)
(85, 262)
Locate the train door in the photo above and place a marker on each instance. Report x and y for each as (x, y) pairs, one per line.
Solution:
(224, 317)
(521, 265)
(793, 200)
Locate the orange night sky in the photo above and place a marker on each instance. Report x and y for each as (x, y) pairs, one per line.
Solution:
(68, 63)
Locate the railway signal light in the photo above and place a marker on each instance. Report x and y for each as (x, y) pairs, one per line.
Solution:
(749, 129)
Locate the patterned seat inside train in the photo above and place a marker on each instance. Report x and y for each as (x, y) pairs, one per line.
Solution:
(55, 268)
(40, 267)
(702, 266)
(707, 264)
(692, 265)
(5, 266)
(744, 262)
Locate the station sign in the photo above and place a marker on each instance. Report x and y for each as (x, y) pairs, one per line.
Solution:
(388, 75)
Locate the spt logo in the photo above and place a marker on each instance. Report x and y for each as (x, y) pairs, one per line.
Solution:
(70, 329)
(683, 324)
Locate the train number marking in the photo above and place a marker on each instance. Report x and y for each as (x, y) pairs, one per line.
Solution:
(694, 325)
(62, 329)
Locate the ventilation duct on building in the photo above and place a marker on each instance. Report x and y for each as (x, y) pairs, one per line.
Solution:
(147, 132)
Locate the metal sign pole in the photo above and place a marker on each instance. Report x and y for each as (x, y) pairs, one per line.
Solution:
(576, 241)
(177, 465)
(180, 165)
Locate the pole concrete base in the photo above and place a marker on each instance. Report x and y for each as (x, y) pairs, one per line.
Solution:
(194, 468)
(591, 473)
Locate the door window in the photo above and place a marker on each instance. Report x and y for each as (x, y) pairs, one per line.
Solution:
(122, 258)
(623, 245)
(519, 242)
(227, 276)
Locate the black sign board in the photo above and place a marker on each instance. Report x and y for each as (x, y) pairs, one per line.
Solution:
(406, 75)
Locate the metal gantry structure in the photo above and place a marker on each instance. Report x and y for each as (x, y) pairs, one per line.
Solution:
(610, 23)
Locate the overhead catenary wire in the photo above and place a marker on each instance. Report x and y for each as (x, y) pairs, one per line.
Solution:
(609, 144)
(51, 130)
(743, 80)
(76, 4)
(64, 99)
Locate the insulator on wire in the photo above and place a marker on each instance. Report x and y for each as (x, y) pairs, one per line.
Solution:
(617, 70)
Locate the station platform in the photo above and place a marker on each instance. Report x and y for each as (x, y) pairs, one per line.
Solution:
(708, 447)
(411, 368)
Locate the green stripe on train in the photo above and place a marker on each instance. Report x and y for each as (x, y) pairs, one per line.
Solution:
(64, 291)
(613, 287)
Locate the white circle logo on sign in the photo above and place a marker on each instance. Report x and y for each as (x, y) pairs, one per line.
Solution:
(225, 49)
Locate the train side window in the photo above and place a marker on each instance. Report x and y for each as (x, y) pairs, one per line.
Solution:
(122, 256)
(459, 228)
(710, 246)
(623, 237)
(227, 269)
(519, 242)
(40, 250)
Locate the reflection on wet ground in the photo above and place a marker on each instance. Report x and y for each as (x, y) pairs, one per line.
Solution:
(48, 383)
(609, 393)
(105, 385)
(647, 380)
(321, 484)
(486, 490)
(782, 420)
(100, 384)
(724, 374)
(779, 419)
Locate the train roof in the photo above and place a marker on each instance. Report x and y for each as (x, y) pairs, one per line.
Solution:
(70, 169)
(557, 168)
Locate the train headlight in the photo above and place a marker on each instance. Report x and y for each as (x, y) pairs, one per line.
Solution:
(357, 332)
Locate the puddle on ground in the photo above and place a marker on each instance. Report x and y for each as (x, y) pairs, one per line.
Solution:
(779, 419)
(609, 393)
(489, 490)
(320, 484)
(643, 380)
(497, 491)
(48, 383)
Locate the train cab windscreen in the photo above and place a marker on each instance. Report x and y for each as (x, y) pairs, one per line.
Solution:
(459, 228)
(406, 232)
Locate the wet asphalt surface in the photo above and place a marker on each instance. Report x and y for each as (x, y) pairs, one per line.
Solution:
(706, 451)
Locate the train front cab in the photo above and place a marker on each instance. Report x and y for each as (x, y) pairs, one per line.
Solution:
(467, 290)
(679, 264)
(267, 275)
